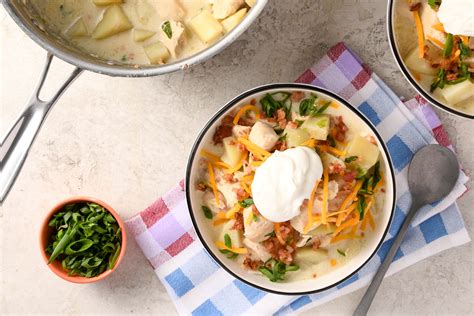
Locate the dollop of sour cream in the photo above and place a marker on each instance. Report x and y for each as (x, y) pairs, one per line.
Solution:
(284, 180)
(457, 16)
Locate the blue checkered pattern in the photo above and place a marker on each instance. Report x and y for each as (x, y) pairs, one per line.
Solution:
(199, 286)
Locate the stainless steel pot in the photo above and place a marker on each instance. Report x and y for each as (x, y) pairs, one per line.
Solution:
(16, 144)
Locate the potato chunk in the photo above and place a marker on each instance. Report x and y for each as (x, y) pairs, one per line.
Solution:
(77, 29)
(317, 127)
(206, 27)
(106, 2)
(459, 92)
(421, 65)
(366, 152)
(157, 53)
(233, 20)
(295, 136)
(113, 22)
(263, 135)
(232, 153)
(144, 11)
(142, 35)
(250, 3)
(223, 8)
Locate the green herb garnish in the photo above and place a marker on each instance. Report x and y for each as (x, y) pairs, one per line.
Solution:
(351, 159)
(361, 172)
(166, 27)
(275, 101)
(246, 203)
(86, 239)
(228, 243)
(283, 137)
(307, 105)
(342, 253)
(439, 81)
(361, 206)
(207, 212)
(376, 175)
(323, 108)
(434, 4)
(255, 218)
(275, 270)
(299, 122)
(464, 49)
(448, 45)
(271, 234)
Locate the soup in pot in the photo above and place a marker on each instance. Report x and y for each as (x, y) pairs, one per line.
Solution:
(142, 31)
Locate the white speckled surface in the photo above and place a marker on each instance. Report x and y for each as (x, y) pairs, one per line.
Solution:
(126, 141)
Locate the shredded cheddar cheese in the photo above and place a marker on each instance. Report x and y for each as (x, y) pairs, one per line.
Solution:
(456, 55)
(346, 224)
(366, 215)
(351, 196)
(331, 150)
(256, 163)
(278, 233)
(324, 209)
(249, 218)
(237, 166)
(344, 237)
(221, 165)
(243, 110)
(347, 210)
(333, 262)
(421, 36)
(221, 214)
(240, 251)
(311, 143)
(209, 156)
(245, 187)
(438, 27)
(219, 221)
(254, 149)
(231, 213)
(435, 41)
(212, 180)
(371, 220)
(465, 39)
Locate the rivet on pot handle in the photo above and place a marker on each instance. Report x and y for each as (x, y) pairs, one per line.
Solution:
(16, 145)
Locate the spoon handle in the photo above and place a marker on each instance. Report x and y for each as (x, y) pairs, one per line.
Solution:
(368, 297)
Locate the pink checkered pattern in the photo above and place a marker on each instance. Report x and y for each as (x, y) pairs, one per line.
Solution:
(164, 229)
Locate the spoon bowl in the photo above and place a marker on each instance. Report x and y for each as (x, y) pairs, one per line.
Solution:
(428, 160)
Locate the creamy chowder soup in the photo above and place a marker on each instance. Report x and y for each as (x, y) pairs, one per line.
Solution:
(436, 39)
(292, 185)
(141, 31)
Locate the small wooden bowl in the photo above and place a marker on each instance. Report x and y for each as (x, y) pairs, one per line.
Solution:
(46, 231)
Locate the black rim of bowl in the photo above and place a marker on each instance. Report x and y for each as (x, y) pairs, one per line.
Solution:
(220, 113)
(406, 73)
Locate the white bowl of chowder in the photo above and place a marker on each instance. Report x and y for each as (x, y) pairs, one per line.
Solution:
(433, 44)
(290, 188)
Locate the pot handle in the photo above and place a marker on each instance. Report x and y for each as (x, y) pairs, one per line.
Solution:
(16, 144)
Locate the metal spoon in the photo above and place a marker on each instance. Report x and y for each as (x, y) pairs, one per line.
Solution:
(432, 175)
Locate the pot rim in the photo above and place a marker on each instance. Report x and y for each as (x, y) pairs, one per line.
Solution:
(129, 70)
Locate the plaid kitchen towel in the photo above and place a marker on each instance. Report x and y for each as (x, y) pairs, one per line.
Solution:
(198, 286)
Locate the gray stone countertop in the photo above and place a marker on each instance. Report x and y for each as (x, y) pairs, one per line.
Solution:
(126, 141)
